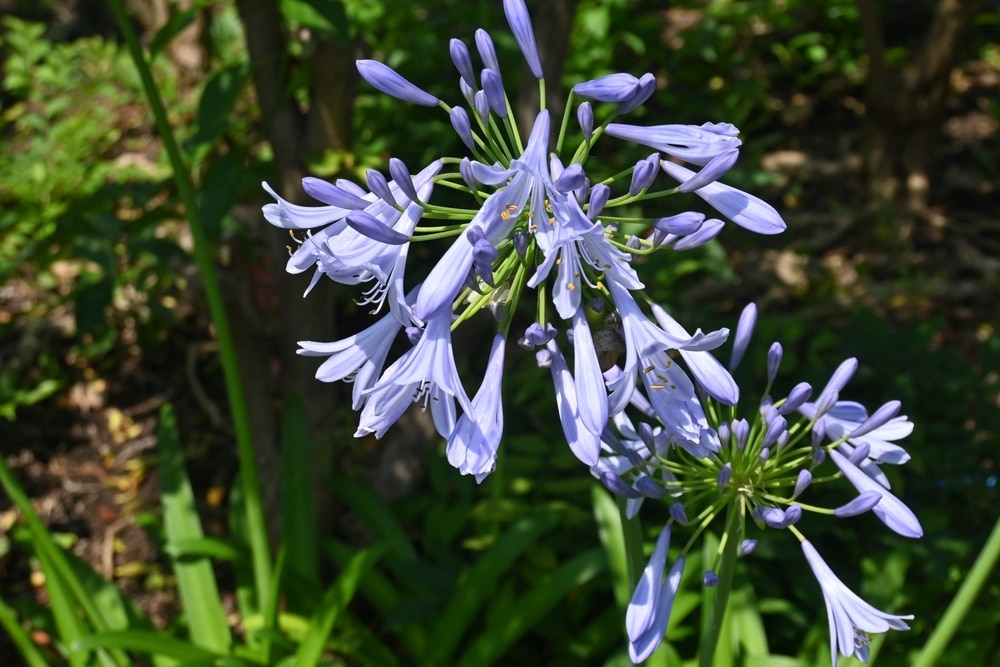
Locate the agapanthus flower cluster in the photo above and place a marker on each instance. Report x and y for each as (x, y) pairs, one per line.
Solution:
(643, 402)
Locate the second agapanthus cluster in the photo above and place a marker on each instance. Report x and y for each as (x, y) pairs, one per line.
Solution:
(543, 222)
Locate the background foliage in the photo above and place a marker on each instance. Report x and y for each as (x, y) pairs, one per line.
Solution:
(102, 322)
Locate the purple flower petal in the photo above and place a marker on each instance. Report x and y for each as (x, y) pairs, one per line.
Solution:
(520, 25)
(744, 209)
(463, 61)
(891, 511)
(385, 79)
(367, 224)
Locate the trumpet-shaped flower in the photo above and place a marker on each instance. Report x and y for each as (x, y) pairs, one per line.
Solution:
(648, 612)
(852, 620)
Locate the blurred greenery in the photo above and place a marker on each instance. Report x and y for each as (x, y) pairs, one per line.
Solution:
(97, 285)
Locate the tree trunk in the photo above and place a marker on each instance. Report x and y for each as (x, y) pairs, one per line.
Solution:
(905, 108)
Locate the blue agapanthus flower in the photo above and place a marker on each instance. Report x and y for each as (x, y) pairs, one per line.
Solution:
(643, 401)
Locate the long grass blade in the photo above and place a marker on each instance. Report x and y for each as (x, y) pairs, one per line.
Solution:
(196, 584)
(481, 578)
(66, 592)
(298, 506)
(31, 654)
(531, 607)
(335, 600)
(376, 517)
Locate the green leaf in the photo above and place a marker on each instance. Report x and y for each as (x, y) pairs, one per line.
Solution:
(531, 607)
(477, 583)
(30, 653)
(298, 504)
(335, 600)
(381, 593)
(145, 641)
(216, 104)
(325, 17)
(219, 187)
(195, 581)
(66, 592)
(203, 547)
(175, 25)
(376, 517)
(747, 623)
(612, 536)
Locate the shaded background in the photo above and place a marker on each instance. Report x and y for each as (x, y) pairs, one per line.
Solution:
(872, 127)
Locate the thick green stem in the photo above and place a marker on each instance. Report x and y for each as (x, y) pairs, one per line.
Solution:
(256, 526)
(635, 558)
(953, 616)
(730, 546)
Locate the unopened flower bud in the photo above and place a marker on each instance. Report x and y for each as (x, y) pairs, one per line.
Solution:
(585, 116)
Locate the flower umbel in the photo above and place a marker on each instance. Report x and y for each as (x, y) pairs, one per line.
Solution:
(644, 403)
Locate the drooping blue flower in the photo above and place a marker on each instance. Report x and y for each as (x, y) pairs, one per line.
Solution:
(648, 612)
(710, 374)
(584, 444)
(852, 620)
(425, 374)
(472, 446)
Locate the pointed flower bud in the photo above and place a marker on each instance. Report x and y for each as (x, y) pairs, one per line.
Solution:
(724, 476)
(599, 195)
(482, 105)
(711, 172)
(334, 195)
(493, 86)
(799, 394)
(724, 432)
(859, 505)
(708, 231)
(468, 91)
(744, 209)
(744, 329)
(860, 453)
(385, 79)
(617, 486)
(878, 419)
(520, 25)
(611, 88)
(648, 487)
(460, 121)
(585, 116)
(747, 547)
(484, 44)
(678, 513)
(802, 482)
(536, 335)
(647, 84)
(379, 187)
(521, 242)
(644, 174)
(681, 224)
(818, 457)
(845, 371)
(465, 169)
(774, 361)
(571, 178)
(463, 61)
(741, 430)
(367, 224)
(401, 177)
